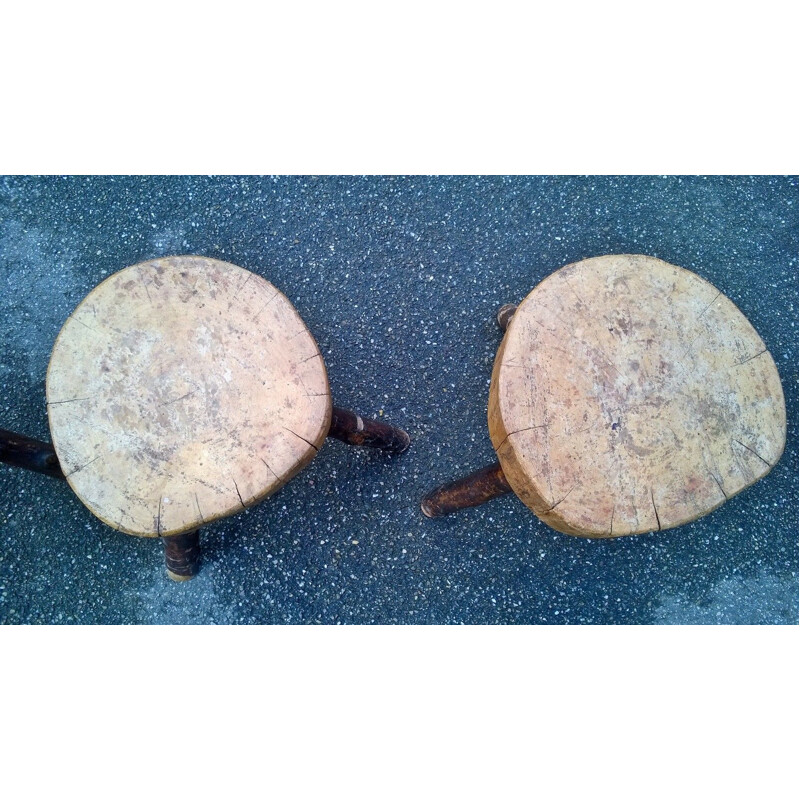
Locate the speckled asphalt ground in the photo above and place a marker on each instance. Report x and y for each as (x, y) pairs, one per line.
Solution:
(399, 280)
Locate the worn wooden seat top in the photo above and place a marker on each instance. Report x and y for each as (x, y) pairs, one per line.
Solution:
(182, 390)
(630, 395)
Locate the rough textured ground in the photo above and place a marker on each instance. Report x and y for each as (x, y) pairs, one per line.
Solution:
(399, 280)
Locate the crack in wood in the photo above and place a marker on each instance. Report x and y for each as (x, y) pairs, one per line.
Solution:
(531, 428)
(277, 477)
(761, 353)
(241, 286)
(261, 310)
(521, 430)
(239, 493)
(561, 500)
(752, 451)
(547, 460)
(580, 430)
(197, 501)
(691, 344)
(88, 327)
(300, 437)
(78, 469)
(61, 402)
(653, 501)
(716, 480)
(719, 294)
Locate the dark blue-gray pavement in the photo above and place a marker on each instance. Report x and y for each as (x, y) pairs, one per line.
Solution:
(399, 279)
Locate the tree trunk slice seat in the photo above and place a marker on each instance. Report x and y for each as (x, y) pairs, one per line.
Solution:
(182, 390)
(628, 395)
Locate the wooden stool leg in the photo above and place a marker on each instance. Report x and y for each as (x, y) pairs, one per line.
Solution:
(182, 552)
(504, 315)
(474, 489)
(17, 450)
(350, 428)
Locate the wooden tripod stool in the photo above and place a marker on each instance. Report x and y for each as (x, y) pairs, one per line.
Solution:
(183, 390)
(628, 395)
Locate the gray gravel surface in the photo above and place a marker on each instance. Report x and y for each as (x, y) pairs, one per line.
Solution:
(398, 279)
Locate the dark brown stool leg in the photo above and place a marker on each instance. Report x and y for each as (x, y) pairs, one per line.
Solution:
(182, 552)
(472, 490)
(17, 450)
(350, 428)
(504, 315)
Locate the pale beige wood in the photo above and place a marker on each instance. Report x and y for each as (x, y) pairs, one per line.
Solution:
(630, 395)
(182, 390)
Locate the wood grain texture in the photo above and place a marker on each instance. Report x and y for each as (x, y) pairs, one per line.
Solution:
(182, 390)
(630, 395)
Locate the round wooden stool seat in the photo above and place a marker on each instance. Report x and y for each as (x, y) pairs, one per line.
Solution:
(630, 395)
(182, 390)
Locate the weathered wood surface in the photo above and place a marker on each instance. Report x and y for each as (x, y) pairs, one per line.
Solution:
(630, 395)
(182, 390)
